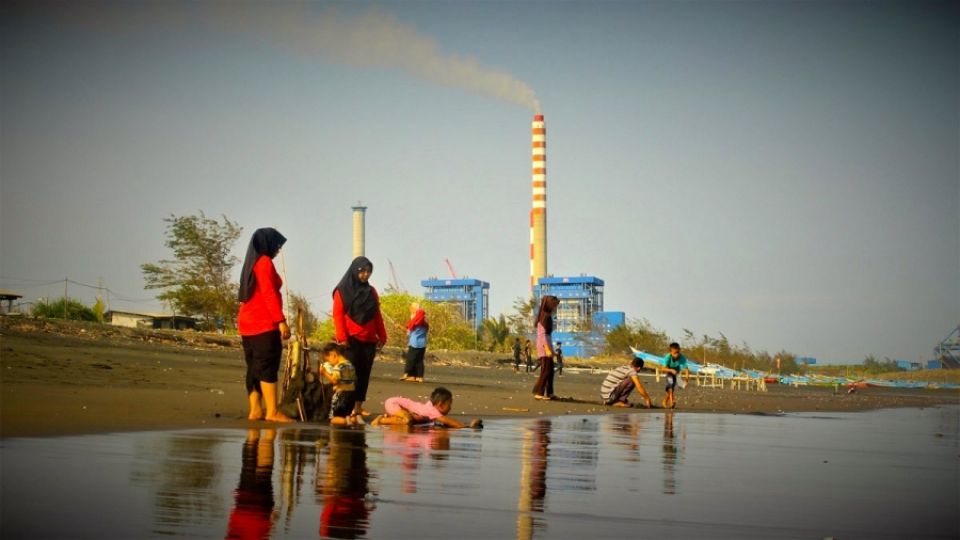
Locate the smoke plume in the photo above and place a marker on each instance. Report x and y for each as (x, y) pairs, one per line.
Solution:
(374, 39)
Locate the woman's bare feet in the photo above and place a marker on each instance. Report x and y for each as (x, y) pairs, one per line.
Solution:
(621, 404)
(278, 417)
(255, 415)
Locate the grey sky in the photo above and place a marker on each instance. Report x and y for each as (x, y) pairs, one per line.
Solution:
(783, 172)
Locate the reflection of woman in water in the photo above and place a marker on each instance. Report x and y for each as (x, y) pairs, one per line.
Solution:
(252, 515)
(344, 489)
(533, 478)
(411, 443)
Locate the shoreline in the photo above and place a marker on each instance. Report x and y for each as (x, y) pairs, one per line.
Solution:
(60, 378)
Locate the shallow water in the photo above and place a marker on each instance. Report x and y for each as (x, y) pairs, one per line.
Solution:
(881, 474)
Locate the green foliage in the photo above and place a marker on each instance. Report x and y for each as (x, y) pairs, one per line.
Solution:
(521, 321)
(494, 334)
(638, 334)
(75, 310)
(299, 302)
(98, 310)
(448, 330)
(196, 281)
(706, 349)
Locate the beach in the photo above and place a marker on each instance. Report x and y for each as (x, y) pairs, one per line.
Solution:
(66, 378)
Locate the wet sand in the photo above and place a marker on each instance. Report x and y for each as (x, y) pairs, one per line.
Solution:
(71, 378)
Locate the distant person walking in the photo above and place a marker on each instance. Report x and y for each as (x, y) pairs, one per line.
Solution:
(558, 352)
(543, 389)
(618, 385)
(673, 364)
(416, 344)
(528, 356)
(517, 349)
(359, 325)
(261, 324)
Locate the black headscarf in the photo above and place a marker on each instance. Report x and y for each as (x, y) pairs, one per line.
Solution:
(266, 241)
(357, 296)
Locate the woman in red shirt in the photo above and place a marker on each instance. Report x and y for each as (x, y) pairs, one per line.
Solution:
(262, 324)
(359, 324)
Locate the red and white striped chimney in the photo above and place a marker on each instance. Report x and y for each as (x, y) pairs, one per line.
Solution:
(538, 213)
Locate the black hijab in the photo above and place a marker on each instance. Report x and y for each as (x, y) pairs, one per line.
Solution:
(266, 241)
(357, 296)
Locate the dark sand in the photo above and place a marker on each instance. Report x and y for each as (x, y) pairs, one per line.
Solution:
(61, 378)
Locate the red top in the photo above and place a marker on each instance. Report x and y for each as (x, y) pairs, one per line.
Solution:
(372, 331)
(264, 311)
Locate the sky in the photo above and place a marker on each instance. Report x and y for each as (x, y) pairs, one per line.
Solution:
(784, 173)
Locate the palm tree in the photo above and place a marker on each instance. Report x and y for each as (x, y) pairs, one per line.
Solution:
(496, 331)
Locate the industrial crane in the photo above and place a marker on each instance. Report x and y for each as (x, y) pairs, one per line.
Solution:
(450, 266)
(395, 283)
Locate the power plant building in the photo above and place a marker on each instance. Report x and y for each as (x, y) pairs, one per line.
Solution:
(471, 296)
(580, 324)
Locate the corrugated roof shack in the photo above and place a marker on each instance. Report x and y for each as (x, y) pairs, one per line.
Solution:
(7, 297)
(156, 321)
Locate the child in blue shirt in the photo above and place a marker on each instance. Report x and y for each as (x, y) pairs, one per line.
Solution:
(673, 364)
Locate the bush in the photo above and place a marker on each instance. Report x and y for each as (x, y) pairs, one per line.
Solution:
(75, 310)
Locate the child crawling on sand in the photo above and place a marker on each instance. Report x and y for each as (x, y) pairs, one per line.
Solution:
(339, 371)
(405, 411)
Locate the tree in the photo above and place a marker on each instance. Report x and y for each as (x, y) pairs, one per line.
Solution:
(196, 281)
(494, 333)
(299, 302)
(638, 334)
(75, 310)
(448, 330)
(521, 322)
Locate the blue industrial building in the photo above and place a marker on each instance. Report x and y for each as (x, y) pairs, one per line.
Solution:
(581, 324)
(471, 296)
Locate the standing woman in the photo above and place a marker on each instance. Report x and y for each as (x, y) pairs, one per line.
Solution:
(543, 389)
(417, 344)
(261, 323)
(359, 324)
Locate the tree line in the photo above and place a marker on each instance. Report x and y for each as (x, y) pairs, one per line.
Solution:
(195, 281)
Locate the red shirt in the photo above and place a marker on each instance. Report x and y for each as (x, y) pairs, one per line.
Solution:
(264, 311)
(372, 331)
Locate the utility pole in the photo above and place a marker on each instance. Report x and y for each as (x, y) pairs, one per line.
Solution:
(64, 298)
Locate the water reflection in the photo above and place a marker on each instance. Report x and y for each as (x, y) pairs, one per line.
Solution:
(534, 452)
(253, 509)
(303, 482)
(672, 453)
(625, 430)
(346, 483)
(410, 444)
(181, 472)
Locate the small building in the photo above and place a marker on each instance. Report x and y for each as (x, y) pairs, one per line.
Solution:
(7, 296)
(470, 296)
(153, 320)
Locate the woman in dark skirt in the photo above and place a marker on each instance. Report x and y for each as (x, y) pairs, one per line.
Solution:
(359, 325)
(261, 323)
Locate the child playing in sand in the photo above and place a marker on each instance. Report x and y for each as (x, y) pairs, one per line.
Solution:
(673, 364)
(339, 371)
(405, 411)
(620, 382)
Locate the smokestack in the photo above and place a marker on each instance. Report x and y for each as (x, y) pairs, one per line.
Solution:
(538, 213)
(359, 232)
